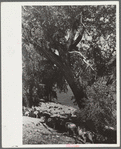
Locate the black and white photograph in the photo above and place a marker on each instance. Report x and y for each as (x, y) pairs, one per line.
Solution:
(69, 73)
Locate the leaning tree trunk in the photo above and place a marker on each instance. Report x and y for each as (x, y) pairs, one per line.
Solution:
(76, 87)
(63, 63)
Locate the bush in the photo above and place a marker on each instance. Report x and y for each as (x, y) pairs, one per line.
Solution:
(100, 108)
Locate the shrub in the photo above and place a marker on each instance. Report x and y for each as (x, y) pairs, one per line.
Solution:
(100, 107)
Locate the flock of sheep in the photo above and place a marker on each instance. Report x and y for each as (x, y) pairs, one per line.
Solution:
(63, 119)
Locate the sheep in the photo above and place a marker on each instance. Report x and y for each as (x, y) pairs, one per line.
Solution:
(43, 119)
(39, 114)
(71, 128)
(26, 113)
(110, 133)
(46, 114)
(50, 122)
(81, 134)
(62, 125)
(36, 114)
(31, 114)
(89, 137)
(60, 108)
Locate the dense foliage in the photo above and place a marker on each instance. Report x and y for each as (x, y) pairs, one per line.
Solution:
(74, 45)
(40, 78)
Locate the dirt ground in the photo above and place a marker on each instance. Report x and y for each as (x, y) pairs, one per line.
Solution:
(36, 132)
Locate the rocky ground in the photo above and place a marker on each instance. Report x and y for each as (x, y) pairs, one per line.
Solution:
(35, 132)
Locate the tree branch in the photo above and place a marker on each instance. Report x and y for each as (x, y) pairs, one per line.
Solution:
(84, 58)
(77, 40)
(73, 44)
(75, 28)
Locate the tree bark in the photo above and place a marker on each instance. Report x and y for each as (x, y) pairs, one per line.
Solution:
(76, 87)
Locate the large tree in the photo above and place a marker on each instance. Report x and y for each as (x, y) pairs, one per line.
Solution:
(79, 40)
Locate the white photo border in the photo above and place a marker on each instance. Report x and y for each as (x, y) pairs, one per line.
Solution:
(11, 55)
